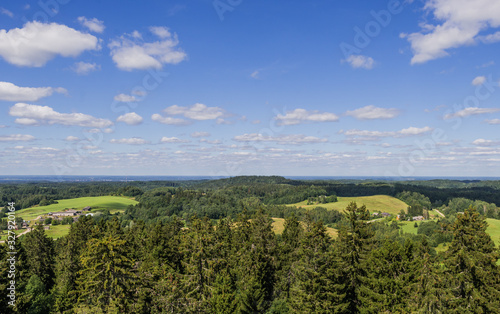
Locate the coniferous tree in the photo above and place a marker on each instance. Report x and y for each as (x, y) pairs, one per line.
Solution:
(355, 240)
(311, 292)
(106, 279)
(473, 276)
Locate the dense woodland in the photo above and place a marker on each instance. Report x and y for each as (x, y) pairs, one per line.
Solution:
(208, 247)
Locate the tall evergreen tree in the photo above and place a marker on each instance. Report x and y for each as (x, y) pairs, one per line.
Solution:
(106, 278)
(355, 240)
(473, 276)
(312, 289)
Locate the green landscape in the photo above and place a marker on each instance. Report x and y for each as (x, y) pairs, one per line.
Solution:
(375, 203)
(266, 245)
(111, 203)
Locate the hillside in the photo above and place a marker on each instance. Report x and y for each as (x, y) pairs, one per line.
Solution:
(383, 203)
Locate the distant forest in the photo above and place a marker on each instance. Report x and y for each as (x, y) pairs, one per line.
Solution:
(209, 247)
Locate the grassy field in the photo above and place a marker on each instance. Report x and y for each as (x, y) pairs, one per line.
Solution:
(494, 230)
(383, 203)
(278, 227)
(58, 231)
(113, 203)
(5, 233)
(409, 227)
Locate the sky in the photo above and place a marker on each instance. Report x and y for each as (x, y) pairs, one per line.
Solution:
(240, 87)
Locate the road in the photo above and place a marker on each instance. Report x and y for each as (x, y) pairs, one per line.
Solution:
(440, 213)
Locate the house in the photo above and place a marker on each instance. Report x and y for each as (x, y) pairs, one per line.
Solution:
(69, 212)
(418, 218)
(87, 209)
(385, 214)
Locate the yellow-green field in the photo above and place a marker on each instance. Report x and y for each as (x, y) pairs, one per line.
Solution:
(113, 203)
(58, 231)
(494, 230)
(383, 203)
(279, 226)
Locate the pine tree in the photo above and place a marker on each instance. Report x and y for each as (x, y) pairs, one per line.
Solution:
(355, 240)
(311, 291)
(427, 292)
(39, 251)
(106, 278)
(473, 276)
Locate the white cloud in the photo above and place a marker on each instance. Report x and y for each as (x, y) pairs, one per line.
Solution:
(11, 92)
(483, 142)
(360, 61)
(34, 115)
(72, 138)
(37, 43)
(280, 139)
(490, 39)
(372, 112)
(414, 131)
(411, 131)
(172, 140)
(160, 31)
(130, 141)
(298, 116)
(255, 74)
(200, 134)
(84, 68)
(479, 80)
(93, 25)
(470, 111)
(168, 120)
(130, 52)
(16, 138)
(130, 118)
(493, 121)
(462, 21)
(6, 12)
(125, 98)
(195, 112)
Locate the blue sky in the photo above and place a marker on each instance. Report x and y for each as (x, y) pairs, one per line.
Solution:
(239, 87)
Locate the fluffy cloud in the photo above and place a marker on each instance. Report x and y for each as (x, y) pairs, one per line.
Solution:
(72, 138)
(11, 92)
(462, 21)
(130, 141)
(84, 68)
(130, 118)
(360, 61)
(470, 111)
(479, 80)
(195, 112)
(16, 138)
(130, 52)
(37, 43)
(125, 98)
(372, 112)
(280, 139)
(35, 115)
(298, 116)
(200, 134)
(172, 140)
(93, 25)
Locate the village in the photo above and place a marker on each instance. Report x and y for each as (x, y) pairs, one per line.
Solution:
(67, 216)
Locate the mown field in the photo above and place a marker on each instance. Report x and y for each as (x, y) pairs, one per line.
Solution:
(112, 203)
(279, 226)
(494, 230)
(383, 203)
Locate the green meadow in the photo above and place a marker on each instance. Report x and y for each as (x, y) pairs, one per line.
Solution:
(382, 203)
(112, 203)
